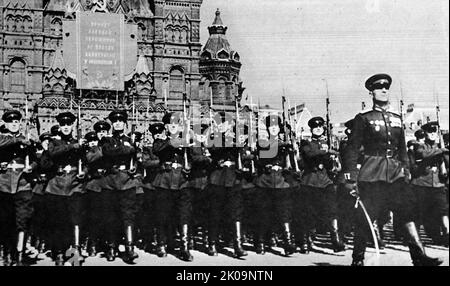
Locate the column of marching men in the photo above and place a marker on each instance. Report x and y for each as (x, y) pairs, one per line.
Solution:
(111, 192)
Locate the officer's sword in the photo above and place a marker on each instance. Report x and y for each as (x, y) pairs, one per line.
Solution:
(369, 221)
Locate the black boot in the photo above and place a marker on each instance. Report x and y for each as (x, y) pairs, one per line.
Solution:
(92, 249)
(161, 250)
(212, 250)
(310, 240)
(59, 259)
(416, 249)
(260, 248)
(110, 252)
(21, 242)
(289, 246)
(185, 255)
(338, 245)
(357, 262)
(304, 246)
(359, 248)
(238, 250)
(42, 247)
(20, 259)
(129, 255)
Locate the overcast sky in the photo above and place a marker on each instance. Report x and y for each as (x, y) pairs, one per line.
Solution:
(296, 44)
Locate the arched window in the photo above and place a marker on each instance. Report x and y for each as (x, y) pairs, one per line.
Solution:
(206, 55)
(28, 24)
(237, 57)
(223, 55)
(56, 27)
(176, 82)
(222, 88)
(183, 36)
(142, 32)
(18, 76)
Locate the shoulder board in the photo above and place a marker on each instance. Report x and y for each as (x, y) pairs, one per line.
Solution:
(393, 111)
(366, 111)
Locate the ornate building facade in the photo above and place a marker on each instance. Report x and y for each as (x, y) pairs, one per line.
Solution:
(220, 66)
(167, 62)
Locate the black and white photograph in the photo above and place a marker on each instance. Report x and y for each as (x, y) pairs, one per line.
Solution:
(247, 134)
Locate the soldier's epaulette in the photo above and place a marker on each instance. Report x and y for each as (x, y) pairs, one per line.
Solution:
(366, 111)
(394, 112)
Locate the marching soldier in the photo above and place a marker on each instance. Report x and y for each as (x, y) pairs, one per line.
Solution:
(40, 215)
(16, 166)
(318, 188)
(64, 191)
(120, 187)
(247, 175)
(273, 190)
(225, 191)
(198, 178)
(172, 194)
(95, 187)
(345, 201)
(384, 172)
(151, 165)
(430, 184)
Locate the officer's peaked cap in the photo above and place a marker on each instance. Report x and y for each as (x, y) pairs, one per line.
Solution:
(65, 117)
(378, 78)
(11, 115)
(118, 115)
(101, 125)
(316, 121)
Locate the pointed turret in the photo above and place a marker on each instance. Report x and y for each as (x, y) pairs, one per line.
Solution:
(142, 77)
(221, 65)
(55, 79)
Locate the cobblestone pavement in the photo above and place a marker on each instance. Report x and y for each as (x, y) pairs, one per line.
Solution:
(395, 254)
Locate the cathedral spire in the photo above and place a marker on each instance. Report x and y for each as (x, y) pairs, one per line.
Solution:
(217, 26)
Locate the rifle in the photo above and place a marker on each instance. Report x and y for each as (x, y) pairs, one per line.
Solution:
(442, 167)
(288, 159)
(80, 174)
(239, 159)
(293, 141)
(27, 134)
(251, 143)
(187, 128)
(336, 162)
(132, 168)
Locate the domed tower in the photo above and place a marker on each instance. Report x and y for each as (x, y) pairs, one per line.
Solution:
(220, 66)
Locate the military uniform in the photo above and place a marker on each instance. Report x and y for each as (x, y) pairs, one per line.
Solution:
(225, 190)
(119, 193)
(273, 194)
(381, 179)
(345, 201)
(318, 188)
(150, 163)
(15, 191)
(198, 179)
(173, 201)
(95, 184)
(40, 214)
(64, 191)
(430, 186)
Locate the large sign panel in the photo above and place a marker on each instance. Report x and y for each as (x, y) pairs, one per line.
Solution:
(98, 48)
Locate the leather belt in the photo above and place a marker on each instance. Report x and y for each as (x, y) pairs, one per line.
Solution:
(173, 165)
(121, 167)
(66, 169)
(388, 153)
(274, 167)
(227, 164)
